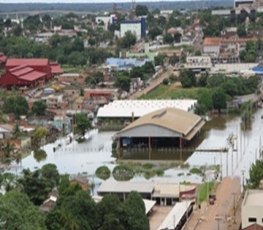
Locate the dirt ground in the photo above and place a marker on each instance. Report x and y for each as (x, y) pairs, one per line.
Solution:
(158, 215)
(219, 216)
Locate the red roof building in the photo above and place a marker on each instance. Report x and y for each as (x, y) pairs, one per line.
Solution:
(27, 71)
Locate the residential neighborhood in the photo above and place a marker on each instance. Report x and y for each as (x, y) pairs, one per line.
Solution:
(134, 115)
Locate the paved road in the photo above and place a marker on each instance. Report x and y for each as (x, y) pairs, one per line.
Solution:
(219, 216)
(153, 84)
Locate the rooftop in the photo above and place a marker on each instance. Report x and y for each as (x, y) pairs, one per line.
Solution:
(177, 120)
(253, 198)
(138, 108)
(175, 215)
(125, 187)
(212, 41)
(27, 61)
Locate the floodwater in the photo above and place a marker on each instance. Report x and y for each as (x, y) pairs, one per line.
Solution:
(86, 157)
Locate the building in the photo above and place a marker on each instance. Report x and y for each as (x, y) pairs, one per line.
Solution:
(28, 72)
(164, 128)
(252, 208)
(165, 194)
(177, 217)
(137, 108)
(105, 21)
(71, 78)
(137, 27)
(198, 63)
(211, 45)
(100, 96)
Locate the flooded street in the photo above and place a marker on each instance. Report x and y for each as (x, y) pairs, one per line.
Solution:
(86, 157)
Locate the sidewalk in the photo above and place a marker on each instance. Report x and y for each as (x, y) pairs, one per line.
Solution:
(220, 215)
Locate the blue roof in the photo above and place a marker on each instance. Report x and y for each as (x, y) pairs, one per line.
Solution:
(258, 69)
(125, 63)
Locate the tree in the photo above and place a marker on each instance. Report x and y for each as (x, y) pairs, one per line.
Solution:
(128, 40)
(17, 105)
(159, 59)
(168, 38)
(39, 183)
(17, 212)
(95, 78)
(241, 31)
(39, 108)
(38, 135)
(141, 10)
(82, 123)
(122, 81)
(219, 100)
(17, 31)
(187, 78)
(154, 32)
(255, 174)
(136, 210)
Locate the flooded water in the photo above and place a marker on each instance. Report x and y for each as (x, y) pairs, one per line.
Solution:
(86, 157)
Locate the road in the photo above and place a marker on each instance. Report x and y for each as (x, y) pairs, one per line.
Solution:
(221, 214)
(153, 84)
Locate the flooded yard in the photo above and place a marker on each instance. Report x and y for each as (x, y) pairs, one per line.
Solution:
(86, 157)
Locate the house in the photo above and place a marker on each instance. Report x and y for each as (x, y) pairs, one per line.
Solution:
(6, 131)
(105, 20)
(211, 45)
(71, 78)
(100, 96)
(252, 209)
(50, 203)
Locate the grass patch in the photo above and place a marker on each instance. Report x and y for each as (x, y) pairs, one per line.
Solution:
(170, 92)
(72, 69)
(205, 188)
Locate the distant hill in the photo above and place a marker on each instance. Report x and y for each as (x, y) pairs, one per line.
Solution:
(99, 7)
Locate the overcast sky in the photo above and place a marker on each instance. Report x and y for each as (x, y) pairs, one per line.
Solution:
(76, 1)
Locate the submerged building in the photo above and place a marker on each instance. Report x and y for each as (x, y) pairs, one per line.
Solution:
(164, 128)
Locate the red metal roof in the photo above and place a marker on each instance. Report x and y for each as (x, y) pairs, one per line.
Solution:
(27, 61)
(56, 69)
(32, 76)
(22, 72)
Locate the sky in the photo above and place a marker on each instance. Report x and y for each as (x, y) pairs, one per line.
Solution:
(77, 1)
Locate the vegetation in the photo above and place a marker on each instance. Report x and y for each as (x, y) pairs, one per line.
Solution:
(122, 173)
(204, 190)
(82, 123)
(16, 105)
(103, 172)
(255, 174)
(39, 108)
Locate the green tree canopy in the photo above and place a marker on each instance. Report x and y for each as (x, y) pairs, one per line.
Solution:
(39, 108)
(17, 105)
(141, 10)
(82, 123)
(255, 174)
(128, 40)
(219, 100)
(17, 212)
(187, 78)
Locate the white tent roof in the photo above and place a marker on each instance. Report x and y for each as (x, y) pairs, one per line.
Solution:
(138, 108)
(175, 215)
(148, 205)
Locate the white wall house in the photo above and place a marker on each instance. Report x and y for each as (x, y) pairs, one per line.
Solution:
(106, 20)
(252, 208)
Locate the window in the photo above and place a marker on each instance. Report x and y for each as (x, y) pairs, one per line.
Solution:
(252, 219)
